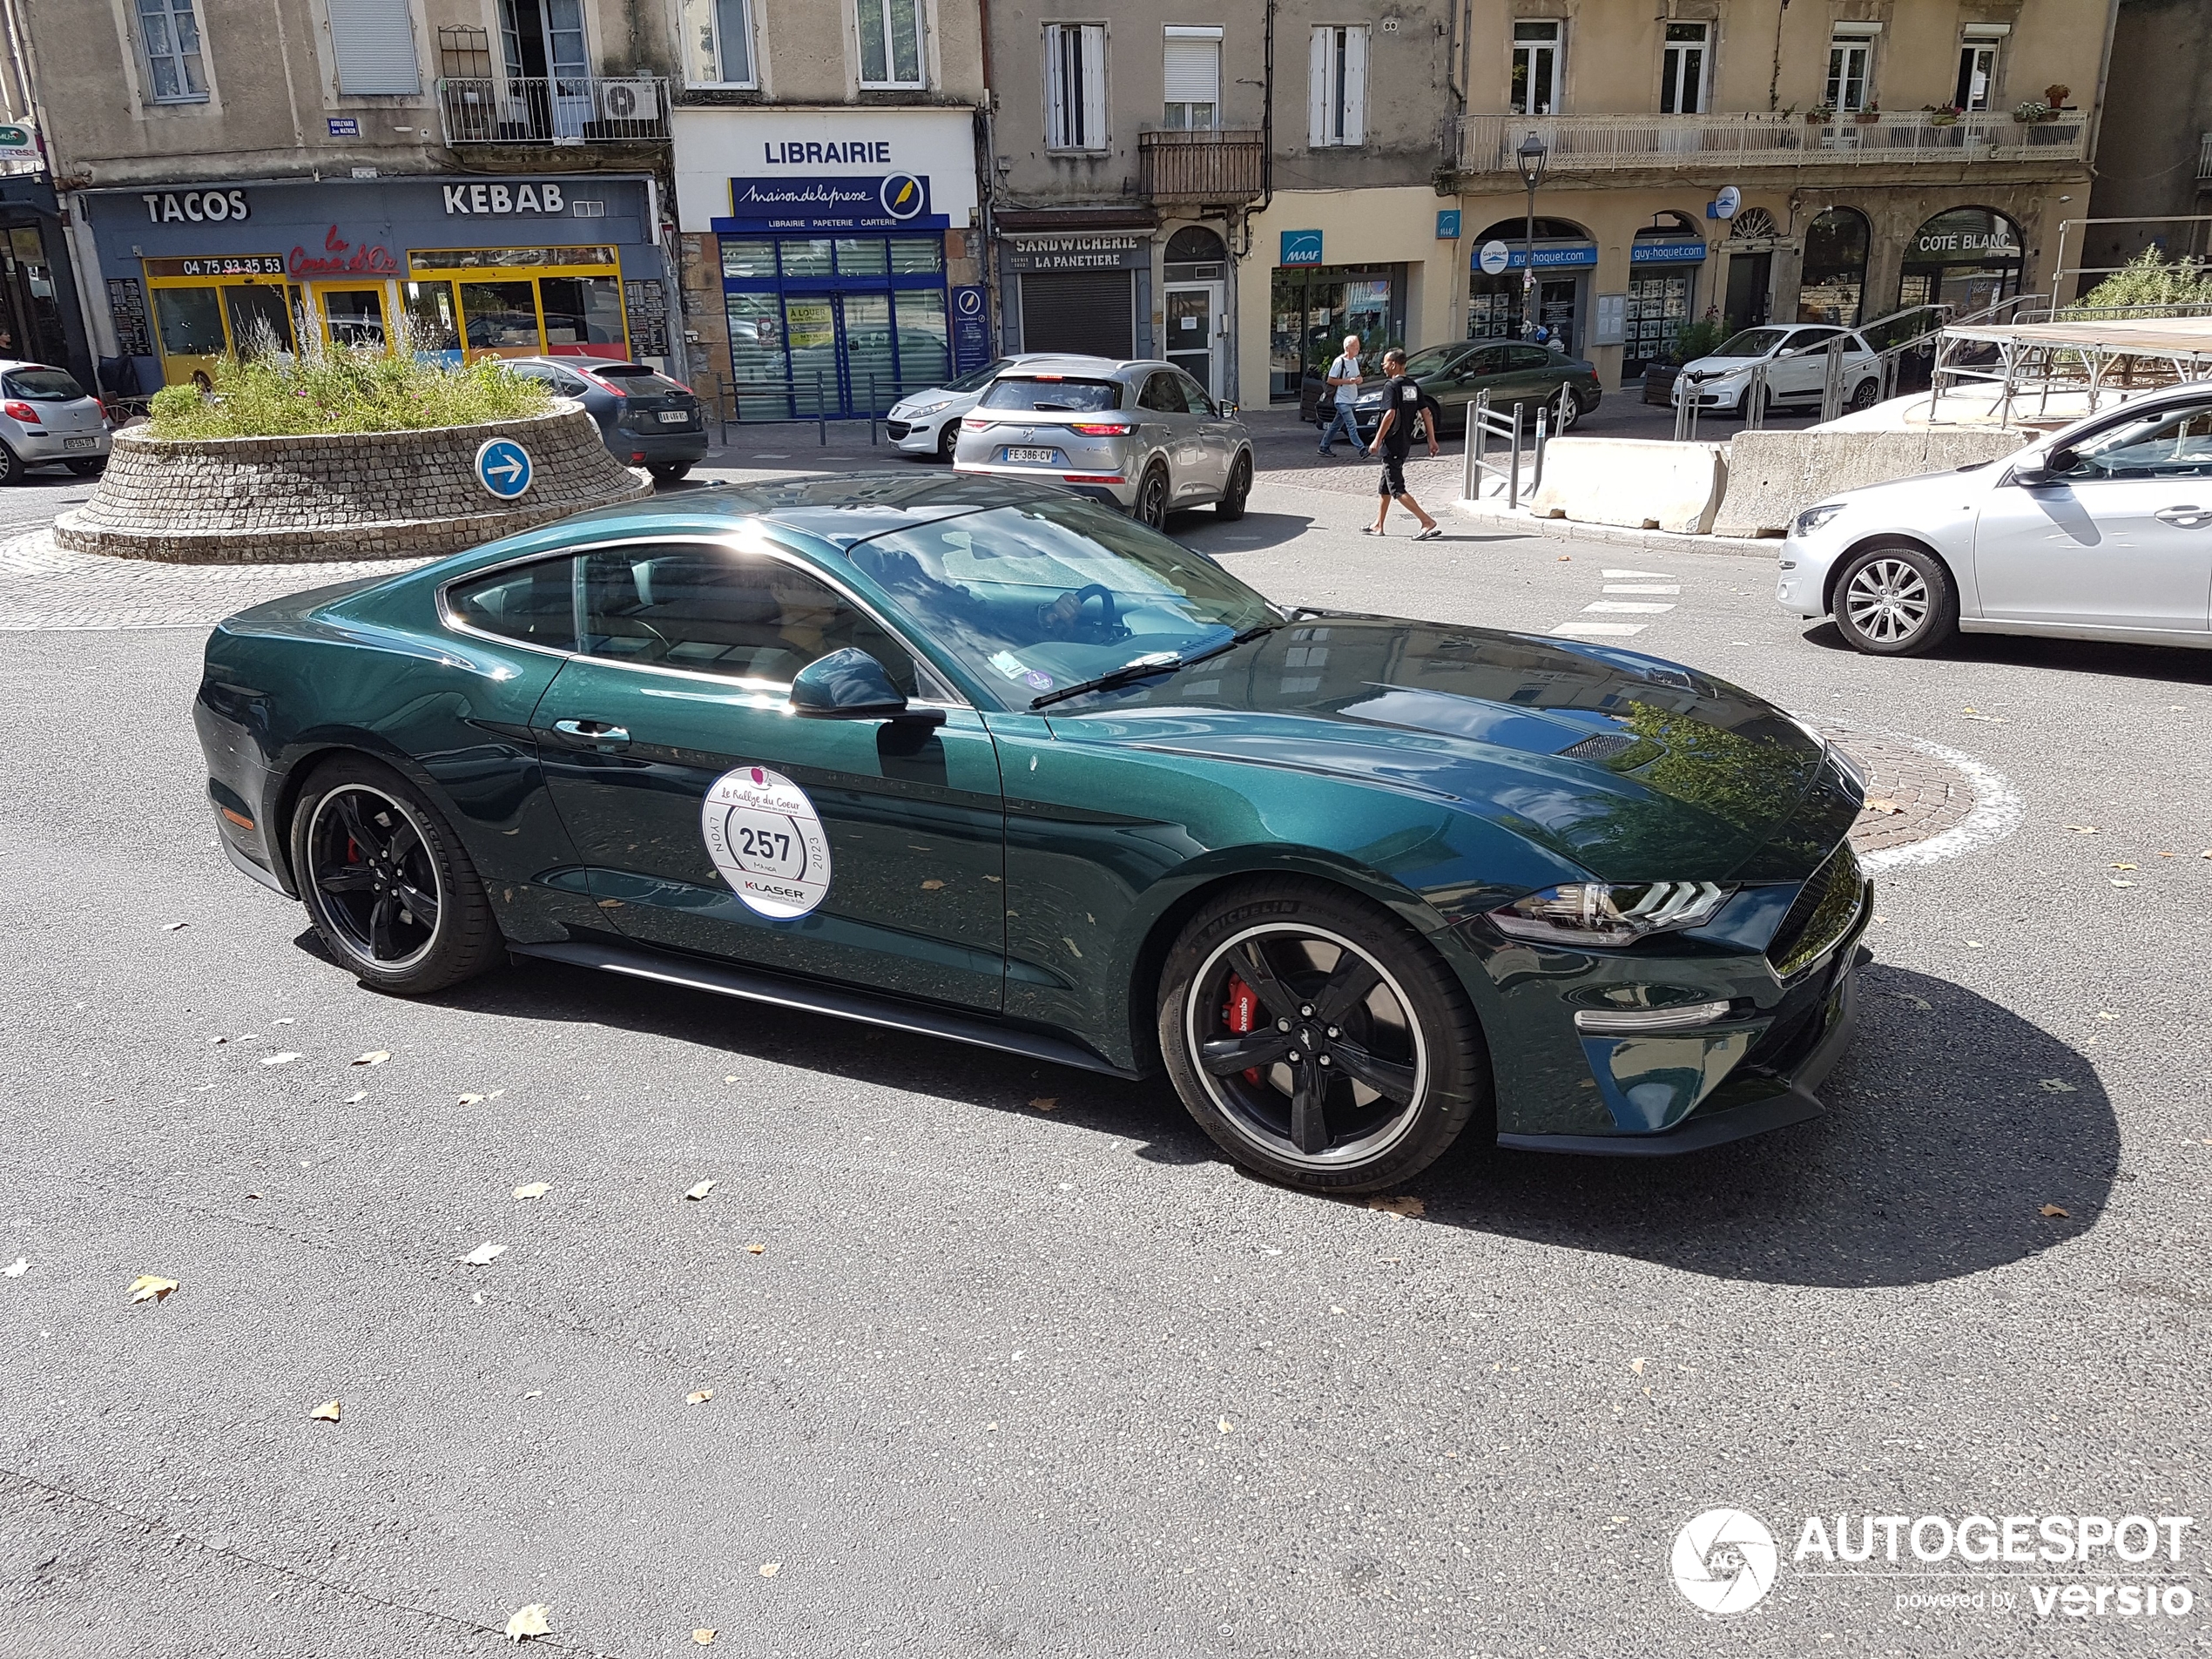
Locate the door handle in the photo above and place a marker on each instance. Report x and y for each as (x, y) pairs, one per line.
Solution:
(2188, 518)
(595, 732)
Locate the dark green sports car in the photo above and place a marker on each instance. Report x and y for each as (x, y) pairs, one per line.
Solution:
(979, 759)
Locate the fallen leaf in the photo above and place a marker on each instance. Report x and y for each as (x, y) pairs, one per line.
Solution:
(533, 1190)
(1973, 944)
(1920, 1002)
(219, 1039)
(2080, 829)
(15, 1269)
(1637, 1366)
(253, 1195)
(483, 1255)
(2103, 1015)
(1336, 1310)
(171, 927)
(147, 1288)
(373, 1057)
(931, 887)
(1225, 1427)
(2169, 855)
(755, 1250)
(1045, 1103)
(284, 1059)
(287, 1020)
(326, 1413)
(769, 1569)
(2056, 1085)
(731, 1078)
(467, 1100)
(356, 1098)
(2053, 1211)
(699, 1397)
(703, 1636)
(1880, 804)
(534, 1393)
(700, 1191)
(528, 1622)
(2123, 866)
(2121, 882)
(1404, 1208)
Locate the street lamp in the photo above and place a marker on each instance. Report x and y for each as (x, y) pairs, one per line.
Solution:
(1532, 155)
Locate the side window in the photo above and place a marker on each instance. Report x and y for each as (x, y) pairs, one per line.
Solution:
(1526, 356)
(714, 611)
(1491, 359)
(1193, 395)
(534, 603)
(2169, 444)
(1812, 339)
(1162, 393)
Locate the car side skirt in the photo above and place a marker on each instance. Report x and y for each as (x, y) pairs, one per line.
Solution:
(838, 1002)
(2193, 638)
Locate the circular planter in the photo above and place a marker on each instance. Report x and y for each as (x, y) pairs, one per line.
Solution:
(354, 495)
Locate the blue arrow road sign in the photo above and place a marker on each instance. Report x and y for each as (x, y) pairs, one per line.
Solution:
(503, 468)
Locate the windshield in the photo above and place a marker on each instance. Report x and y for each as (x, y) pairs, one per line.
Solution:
(1054, 396)
(976, 378)
(1753, 342)
(1052, 593)
(41, 386)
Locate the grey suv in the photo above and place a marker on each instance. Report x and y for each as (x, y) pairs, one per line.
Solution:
(1142, 436)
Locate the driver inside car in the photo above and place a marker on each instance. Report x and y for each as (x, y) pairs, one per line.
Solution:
(903, 574)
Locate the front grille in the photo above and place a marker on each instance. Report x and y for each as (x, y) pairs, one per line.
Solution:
(1825, 910)
(896, 428)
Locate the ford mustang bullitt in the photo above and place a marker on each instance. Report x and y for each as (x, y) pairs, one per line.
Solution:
(974, 757)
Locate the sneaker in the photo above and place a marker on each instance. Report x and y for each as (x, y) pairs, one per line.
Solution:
(1431, 534)
(1330, 453)
(1369, 529)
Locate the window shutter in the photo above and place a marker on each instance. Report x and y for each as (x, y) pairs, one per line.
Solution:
(1192, 74)
(1094, 87)
(1317, 90)
(1055, 87)
(374, 43)
(1355, 86)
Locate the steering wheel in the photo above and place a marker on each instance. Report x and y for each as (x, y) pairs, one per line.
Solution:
(1108, 627)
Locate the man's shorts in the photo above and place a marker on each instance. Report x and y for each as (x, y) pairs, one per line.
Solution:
(1394, 474)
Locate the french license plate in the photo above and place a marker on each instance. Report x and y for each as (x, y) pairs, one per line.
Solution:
(675, 417)
(80, 443)
(1047, 456)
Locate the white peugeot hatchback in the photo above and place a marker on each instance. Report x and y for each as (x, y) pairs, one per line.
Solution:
(46, 416)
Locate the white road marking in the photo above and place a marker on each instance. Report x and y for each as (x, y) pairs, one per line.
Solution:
(1643, 587)
(1630, 576)
(1997, 813)
(1629, 606)
(1609, 630)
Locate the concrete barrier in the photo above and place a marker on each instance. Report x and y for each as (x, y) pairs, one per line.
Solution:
(1772, 476)
(1642, 483)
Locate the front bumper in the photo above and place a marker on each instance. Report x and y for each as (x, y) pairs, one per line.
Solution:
(1709, 395)
(1801, 576)
(915, 438)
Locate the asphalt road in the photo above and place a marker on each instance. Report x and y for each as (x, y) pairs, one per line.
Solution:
(1021, 1366)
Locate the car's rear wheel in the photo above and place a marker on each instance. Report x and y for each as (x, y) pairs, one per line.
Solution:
(89, 466)
(1317, 1040)
(669, 472)
(948, 441)
(1231, 505)
(1567, 411)
(386, 883)
(1896, 600)
(11, 467)
(1152, 498)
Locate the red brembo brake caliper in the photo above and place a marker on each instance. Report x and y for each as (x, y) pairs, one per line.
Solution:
(1241, 1014)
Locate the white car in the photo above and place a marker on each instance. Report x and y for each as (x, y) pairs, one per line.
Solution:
(927, 423)
(45, 416)
(1796, 356)
(2100, 531)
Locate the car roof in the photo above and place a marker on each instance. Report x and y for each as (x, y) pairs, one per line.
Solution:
(1072, 363)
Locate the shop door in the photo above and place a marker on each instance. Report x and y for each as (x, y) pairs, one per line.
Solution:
(260, 319)
(353, 316)
(1750, 276)
(544, 49)
(1194, 332)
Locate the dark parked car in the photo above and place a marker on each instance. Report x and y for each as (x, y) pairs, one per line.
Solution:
(647, 418)
(1512, 371)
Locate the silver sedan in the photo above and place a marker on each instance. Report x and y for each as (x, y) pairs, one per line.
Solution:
(1143, 436)
(2102, 531)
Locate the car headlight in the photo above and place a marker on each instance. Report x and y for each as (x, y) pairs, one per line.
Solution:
(926, 409)
(1597, 913)
(1813, 517)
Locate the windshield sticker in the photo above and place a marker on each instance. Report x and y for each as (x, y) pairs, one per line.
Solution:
(1037, 680)
(767, 842)
(1009, 664)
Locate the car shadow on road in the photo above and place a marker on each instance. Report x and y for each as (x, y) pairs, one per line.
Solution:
(1250, 533)
(2160, 664)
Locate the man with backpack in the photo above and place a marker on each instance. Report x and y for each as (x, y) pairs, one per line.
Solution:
(1404, 403)
(1342, 384)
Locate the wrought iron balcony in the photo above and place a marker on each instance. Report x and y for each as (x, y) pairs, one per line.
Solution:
(1206, 163)
(558, 108)
(1580, 144)
(2204, 158)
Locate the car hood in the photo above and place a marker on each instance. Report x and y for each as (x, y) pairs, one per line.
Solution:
(1632, 768)
(1708, 367)
(1929, 499)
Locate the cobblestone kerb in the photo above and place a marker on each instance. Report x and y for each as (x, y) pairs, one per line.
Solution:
(356, 495)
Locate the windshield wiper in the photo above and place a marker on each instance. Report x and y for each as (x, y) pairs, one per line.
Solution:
(1145, 667)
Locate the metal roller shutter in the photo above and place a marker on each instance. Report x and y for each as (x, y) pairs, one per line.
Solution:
(1092, 311)
(373, 41)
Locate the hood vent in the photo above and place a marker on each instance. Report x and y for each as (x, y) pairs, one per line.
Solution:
(1600, 746)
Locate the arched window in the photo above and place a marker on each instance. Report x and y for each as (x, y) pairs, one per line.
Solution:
(1832, 288)
(1195, 254)
(1969, 258)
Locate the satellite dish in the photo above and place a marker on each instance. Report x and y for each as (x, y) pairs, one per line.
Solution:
(1727, 201)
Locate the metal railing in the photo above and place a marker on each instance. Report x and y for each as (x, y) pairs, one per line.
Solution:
(2018, 368)
(812, 400)
(2203, 156)
(1613, 143)
(1221, 164)
(1484, 423)
(556, 109)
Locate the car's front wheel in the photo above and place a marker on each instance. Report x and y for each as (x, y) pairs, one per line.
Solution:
(389, 888)
(1896, 600)
(1152, 508)
(1317, 1040)
(948, 441)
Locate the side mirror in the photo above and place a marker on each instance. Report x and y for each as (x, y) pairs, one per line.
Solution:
(1787, 351)
(1228, 410)
(2049, 470)
(850, 685)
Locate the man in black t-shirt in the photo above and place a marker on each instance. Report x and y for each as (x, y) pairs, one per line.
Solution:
(1403, 404)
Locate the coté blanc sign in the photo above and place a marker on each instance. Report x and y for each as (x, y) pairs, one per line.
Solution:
(1996, 241)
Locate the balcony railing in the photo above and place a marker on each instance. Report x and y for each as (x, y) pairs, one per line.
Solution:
(558, 108)
(1478, 144)
(1213, 165)
(2204, 158)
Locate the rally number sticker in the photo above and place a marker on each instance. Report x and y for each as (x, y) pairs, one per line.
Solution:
(767, 842)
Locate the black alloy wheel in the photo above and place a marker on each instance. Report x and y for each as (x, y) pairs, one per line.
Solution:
(1317, 1040)
(1231, 505)
(1895, 600)
(1152, 498)
(386, 882)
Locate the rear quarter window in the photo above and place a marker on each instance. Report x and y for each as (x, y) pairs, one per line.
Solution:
(534, 604)
(1052, 397)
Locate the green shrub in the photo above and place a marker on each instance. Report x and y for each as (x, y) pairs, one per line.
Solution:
(342, 389)
(1696, 340)
(2149, 280)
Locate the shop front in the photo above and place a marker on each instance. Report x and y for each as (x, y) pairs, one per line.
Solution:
(1566, 258)
(836, 244)
(39, 318)
(1663, 263)
(1313, 307)
(1078, 290)
(1968, 258)
(450, 269)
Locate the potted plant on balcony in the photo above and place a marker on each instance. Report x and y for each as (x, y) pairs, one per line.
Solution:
(1691, 341)
(1867, 117)
(1820, 115)
(1944, 115)
(2029, 111)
